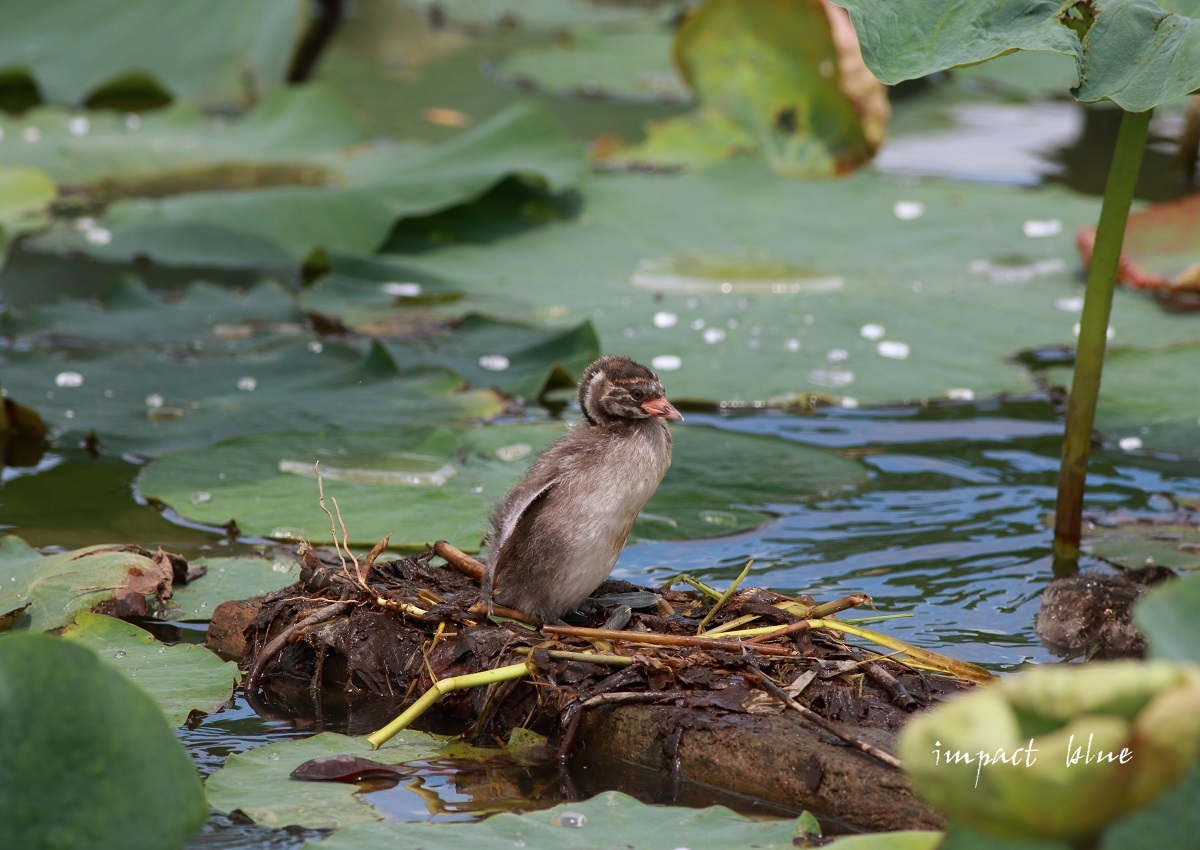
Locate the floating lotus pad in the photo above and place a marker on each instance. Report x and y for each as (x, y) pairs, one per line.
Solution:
(182, 678)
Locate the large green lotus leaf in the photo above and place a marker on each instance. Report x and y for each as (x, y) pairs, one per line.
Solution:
(767, 75)
(737, 286)
(182, 678)
(224, 52)
(258, 783)
(207, 320)
(1146, 396)
(292, 136)
(517, 359)
(1136, 53)
(42, 592)
(1167, 616)
(610, 819)
(629, 65)
(227, 579)
(387, 483)
(151, 402)
(24, 195)
(87, 759)
(375, 188)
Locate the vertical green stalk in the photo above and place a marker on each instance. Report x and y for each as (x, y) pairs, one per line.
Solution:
(1093, 333)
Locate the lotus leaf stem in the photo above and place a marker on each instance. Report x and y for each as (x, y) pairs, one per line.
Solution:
(1093, 334)
(445, 686)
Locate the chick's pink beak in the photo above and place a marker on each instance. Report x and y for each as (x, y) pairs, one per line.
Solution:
(662, 407)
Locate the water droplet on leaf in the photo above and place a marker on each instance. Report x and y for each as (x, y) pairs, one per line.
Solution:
(572, 820)
(516, 451)
(493, 362)
(833, 377)
(98, 236)
(1035, 229)
(402, 289)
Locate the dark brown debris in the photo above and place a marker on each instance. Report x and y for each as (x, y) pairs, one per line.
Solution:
(1092, 614)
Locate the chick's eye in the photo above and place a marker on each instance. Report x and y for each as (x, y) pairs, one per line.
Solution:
(637, 394)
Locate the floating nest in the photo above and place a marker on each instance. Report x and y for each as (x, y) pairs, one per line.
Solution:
(748, 690)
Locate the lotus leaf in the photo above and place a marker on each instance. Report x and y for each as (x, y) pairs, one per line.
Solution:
(222, 52)
(1145, 402)
(609, 819)
(228, 579)
(516, 359)
(293, 136)
(1167, 616)
(151, 402)
(1137, 53)
(773, 83)
(367, 192)
(258, 783)
(24, 195)
(104, 772)
(207, 320)
(1057, 753)
(182, 678)
(627, 65)
(42, 592)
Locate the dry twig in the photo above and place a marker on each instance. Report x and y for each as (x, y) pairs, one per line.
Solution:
(656, 639)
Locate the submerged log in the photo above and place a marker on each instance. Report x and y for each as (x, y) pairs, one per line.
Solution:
(801, 720)
(779, 759)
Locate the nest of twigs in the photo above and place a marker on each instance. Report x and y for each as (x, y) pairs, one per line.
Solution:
(398, 627)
